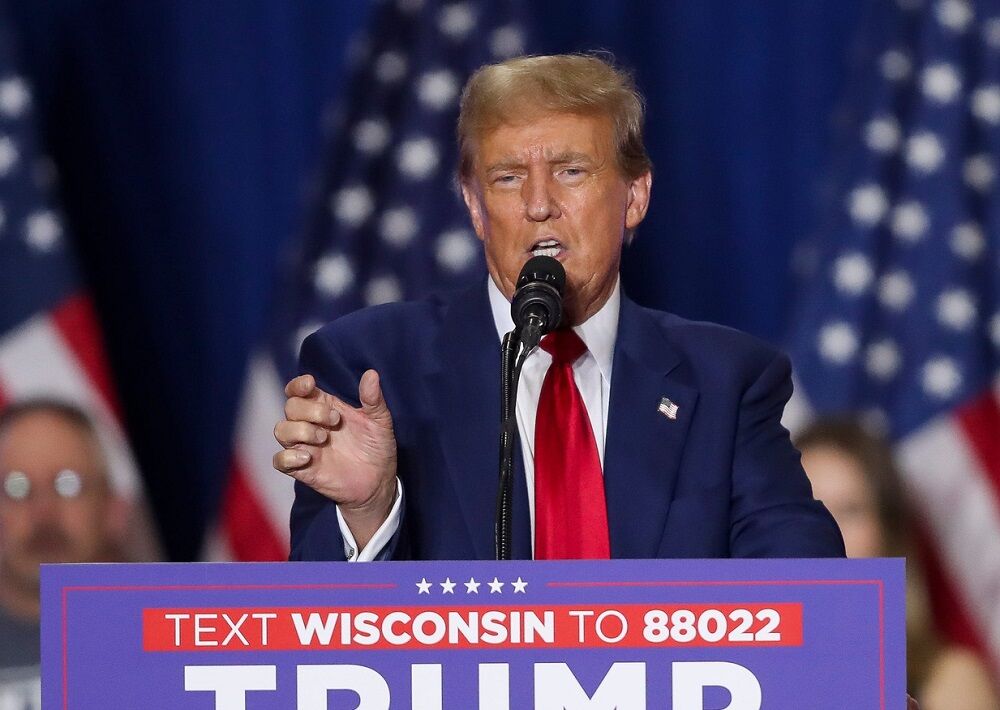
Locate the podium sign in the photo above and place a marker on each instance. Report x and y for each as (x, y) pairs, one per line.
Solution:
(624, 634)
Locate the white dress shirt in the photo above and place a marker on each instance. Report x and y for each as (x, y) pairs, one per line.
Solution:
(591, 373)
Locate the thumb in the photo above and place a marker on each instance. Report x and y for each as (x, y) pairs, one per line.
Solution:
(370, 393)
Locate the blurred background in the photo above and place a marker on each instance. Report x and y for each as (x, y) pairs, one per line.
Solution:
(197, 184)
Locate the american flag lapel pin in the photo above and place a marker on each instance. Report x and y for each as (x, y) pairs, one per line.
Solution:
(667, 408)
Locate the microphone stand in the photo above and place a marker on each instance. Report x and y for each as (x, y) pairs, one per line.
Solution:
(512, 357)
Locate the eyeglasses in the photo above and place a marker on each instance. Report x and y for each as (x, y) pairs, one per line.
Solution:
(68, 485)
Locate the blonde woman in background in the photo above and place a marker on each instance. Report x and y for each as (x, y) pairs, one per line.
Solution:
(853, 473)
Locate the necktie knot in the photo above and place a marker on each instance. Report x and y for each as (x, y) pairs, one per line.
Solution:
(564, 346)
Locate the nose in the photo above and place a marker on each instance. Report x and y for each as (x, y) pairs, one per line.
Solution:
(539, 201)
(45, 506)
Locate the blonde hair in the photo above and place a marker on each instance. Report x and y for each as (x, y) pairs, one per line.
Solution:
(563, 83)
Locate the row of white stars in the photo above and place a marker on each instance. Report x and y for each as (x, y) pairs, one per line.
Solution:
(416, 158)
(455, 21)
(940, 81)
(455, 250)
(957, 16)
(392, 65)
(868, 206)
(940, 375)
(471, 587)
(925, 153)
(853, 275)
(853, 271)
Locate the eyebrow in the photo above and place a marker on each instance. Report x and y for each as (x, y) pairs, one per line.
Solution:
(557, 159)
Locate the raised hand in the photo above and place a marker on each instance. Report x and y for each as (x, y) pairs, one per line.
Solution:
(345, 453)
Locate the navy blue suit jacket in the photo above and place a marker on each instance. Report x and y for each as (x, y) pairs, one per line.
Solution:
(722, 480)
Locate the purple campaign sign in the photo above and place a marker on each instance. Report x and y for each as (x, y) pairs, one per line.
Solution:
(625, 635)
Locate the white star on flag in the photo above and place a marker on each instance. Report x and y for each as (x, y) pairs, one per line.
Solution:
(472, 586)
(519, 586)
(423, 586)
(495, 586)
(447, 586)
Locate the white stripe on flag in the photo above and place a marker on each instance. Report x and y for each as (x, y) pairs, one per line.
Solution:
(262, 406)
(798, 412)
(961, 506)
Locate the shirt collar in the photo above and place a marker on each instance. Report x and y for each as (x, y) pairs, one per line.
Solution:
(598, 332)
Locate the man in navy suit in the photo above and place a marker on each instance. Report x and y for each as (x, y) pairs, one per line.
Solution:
(684, 418)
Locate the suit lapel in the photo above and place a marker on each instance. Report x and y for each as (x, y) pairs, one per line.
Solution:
(464, 389)
(643, 448)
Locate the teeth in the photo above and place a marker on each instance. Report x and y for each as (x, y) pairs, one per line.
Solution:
(548, 247)
(551, 251)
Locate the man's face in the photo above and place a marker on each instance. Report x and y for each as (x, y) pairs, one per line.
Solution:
(552, 185)
(46, 525)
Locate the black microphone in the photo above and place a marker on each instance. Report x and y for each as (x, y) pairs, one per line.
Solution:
(537, 303)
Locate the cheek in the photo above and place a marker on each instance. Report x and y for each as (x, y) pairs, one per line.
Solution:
(83, 522)
(14, 523)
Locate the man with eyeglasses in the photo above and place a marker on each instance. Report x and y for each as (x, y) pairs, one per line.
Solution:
(55, 506)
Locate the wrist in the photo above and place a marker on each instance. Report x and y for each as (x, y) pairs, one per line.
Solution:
(364, 519)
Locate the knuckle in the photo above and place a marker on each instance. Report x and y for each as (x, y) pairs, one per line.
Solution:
(297, 432)
(317, 413)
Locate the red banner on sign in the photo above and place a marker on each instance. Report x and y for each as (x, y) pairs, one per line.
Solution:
(414, 628)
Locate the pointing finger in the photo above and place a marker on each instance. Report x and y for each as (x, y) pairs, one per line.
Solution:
(300, 409)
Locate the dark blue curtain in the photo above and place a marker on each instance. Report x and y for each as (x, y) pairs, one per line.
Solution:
(186, 132)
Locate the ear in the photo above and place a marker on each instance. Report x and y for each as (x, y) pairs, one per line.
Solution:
(474, 203)
(638, 199)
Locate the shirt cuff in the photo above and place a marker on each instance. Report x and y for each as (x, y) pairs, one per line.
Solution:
(381, 537)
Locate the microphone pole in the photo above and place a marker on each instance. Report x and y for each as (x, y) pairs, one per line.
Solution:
(536, 309)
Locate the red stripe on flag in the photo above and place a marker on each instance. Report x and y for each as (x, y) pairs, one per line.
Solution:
(248, 530)
(952, 619)
(77, 324)
(980, 422)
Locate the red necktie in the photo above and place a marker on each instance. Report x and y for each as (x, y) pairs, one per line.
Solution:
(571, 517)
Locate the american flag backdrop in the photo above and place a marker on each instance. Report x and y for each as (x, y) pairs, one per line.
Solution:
(50, 344)
(388, 224)
(900, 319)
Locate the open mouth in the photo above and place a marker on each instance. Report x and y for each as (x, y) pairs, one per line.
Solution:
(547, 247)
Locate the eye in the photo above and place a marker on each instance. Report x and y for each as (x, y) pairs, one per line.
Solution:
(506, 179)
(571, 174)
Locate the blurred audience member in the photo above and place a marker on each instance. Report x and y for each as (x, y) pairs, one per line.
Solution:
(56, 505)
(853, 473)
